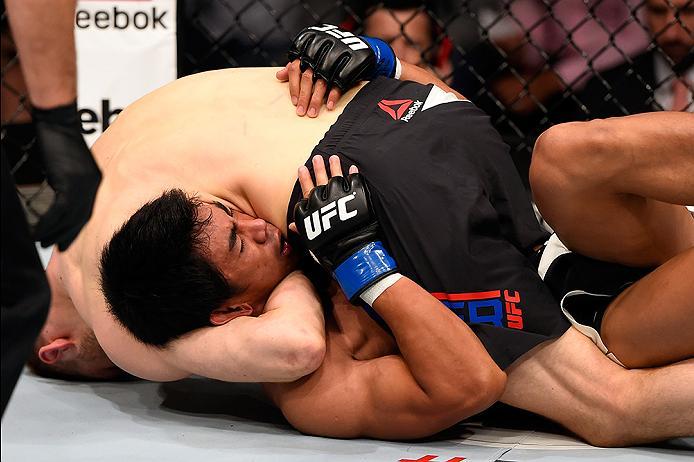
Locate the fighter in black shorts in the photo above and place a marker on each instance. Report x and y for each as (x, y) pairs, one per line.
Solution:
(453, 210)
(456, 219)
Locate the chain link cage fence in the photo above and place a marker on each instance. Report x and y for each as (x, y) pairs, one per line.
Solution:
(528, 63)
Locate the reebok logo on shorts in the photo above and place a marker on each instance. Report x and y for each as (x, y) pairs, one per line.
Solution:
(400, 109)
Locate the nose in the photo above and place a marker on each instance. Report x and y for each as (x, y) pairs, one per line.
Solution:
(255, 229)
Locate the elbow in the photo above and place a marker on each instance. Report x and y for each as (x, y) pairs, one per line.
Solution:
(476, 395)
(303, 357)
(481, 392)
(493, 384)
(478, 392)
(485, 390)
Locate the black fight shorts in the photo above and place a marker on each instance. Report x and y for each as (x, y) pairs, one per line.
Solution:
(452, 207)
(585, 287)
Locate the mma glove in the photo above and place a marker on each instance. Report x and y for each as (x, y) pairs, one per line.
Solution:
(71, 172)
(341, 58)
(338, 226)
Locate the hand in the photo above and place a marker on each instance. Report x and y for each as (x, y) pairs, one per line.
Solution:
(340, 58)
(337, 224)
(306, 92)
(70, 170)
(306, 181)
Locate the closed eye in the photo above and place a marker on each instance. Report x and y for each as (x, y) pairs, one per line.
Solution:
(233, 235)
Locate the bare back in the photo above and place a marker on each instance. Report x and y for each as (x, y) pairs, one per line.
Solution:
(229, 134)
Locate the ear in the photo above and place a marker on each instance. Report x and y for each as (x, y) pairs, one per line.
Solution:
(227, 313)
(58, 350)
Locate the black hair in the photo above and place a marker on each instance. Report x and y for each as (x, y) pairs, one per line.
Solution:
(156, 274)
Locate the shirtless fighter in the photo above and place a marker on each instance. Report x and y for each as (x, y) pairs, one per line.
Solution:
(224, 156)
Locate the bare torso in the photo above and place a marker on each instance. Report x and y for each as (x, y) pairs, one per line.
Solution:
(229, 135)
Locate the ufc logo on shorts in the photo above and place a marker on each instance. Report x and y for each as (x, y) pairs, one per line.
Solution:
(348, 38)
(319, 220)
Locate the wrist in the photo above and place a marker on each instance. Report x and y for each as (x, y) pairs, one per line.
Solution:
(364, 268)
(372, 293)
(386, 62)
(64, 114)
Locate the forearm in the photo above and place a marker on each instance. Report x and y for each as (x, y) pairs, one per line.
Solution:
(419, 75)
(43, 31)
(283, 344)
(442, 353)
(246, 350)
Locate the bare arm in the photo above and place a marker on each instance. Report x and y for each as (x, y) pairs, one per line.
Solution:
(43, 33)
(281, 345)
(442, 376)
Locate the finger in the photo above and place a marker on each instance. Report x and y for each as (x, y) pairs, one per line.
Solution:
(353, 169)
(294, 80)
(283, 74)
(319, 89)
(305, 181)
(305, 90)
(292, 227)
(334, 95)
(319, 170)
(335, 166)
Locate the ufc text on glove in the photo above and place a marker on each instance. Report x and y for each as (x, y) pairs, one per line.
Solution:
(342, 58)
(338, 226)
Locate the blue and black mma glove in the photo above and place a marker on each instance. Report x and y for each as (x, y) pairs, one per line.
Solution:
(338, 226)
(341, 58)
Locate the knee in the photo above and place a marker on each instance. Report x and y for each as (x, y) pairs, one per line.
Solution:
(572, 156)
(552, 167)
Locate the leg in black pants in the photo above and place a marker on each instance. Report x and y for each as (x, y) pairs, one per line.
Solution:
(25, 291)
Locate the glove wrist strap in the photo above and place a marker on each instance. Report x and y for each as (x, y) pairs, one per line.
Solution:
(385, 57)
(398, 69)
(364, 267)
(372, 293)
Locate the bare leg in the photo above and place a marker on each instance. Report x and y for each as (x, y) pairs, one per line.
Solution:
(651, 323)
(608, 187)
(604, 186)
(571, 382)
